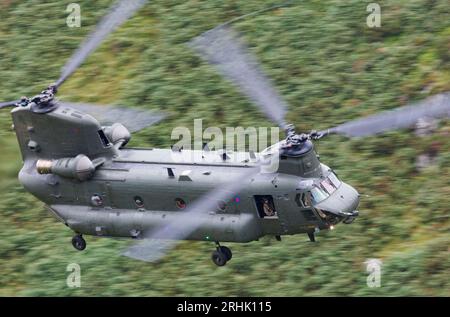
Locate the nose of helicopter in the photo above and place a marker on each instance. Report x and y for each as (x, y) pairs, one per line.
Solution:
(343, 202)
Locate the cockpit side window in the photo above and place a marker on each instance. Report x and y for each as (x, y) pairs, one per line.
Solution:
(318, 194)
(303, 200)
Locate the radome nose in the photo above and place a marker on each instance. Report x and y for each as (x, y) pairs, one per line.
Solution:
(344, 200)
(350, 197)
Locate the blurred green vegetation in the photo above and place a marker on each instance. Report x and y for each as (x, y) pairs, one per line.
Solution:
(328, 65)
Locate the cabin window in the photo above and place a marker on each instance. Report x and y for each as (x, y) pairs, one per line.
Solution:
(221, 205)
(139, 202)
(96, 200)
(103, 137)
(180, 203)
(265, 206)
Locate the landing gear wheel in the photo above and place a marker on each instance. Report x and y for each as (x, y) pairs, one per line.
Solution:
(219, 258)
(227, 252)
(78, 242)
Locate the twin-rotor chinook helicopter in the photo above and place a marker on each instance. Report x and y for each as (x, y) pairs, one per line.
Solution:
(89, 180)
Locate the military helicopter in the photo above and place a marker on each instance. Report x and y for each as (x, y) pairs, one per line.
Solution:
(76, 161)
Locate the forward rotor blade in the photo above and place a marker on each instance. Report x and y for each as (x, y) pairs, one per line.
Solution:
(8, 104)
(223, 49)
(434, 107)
(188, 221)
(133, 119)
(120, 12)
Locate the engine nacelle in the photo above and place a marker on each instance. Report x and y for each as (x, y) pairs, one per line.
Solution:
(79, 167)
(118, 134)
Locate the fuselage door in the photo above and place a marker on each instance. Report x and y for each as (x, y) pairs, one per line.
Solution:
(271, 219)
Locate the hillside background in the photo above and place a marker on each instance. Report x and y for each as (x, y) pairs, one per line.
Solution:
(329, 66)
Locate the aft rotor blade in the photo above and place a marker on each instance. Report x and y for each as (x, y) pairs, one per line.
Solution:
(188, 221)
(437, 106)
(8, 104)
(221, 47)
(133, 119)
(120, 12)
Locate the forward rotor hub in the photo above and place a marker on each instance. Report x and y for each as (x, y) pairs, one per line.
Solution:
(295, 139)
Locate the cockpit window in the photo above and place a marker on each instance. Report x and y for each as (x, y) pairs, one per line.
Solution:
(333, 178)
(325, 188)
(328, 186)
(318, 194)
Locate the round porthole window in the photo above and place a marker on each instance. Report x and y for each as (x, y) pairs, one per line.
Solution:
(96, 200)
(180, 203)
(221, 205)
(139, 202)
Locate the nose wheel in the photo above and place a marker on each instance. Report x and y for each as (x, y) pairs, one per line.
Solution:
(221, 255)
(78, 242)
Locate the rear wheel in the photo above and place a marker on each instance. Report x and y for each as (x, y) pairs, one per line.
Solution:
(219, 258)
(78, 242)
(227, 252)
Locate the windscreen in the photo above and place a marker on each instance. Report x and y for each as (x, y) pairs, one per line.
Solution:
(323, 189)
